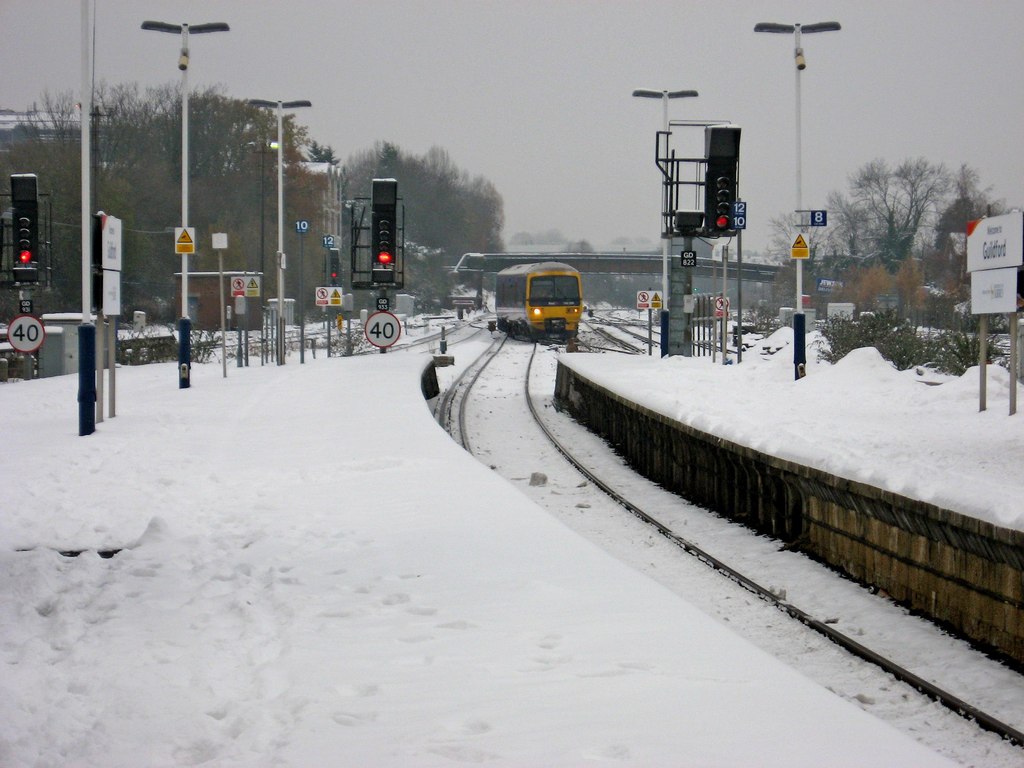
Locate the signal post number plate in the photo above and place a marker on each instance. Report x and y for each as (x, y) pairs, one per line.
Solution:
(382, 329)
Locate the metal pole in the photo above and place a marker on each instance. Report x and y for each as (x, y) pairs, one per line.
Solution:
(739, 297)
(983, 362)
(302, 301)
(799, 320)
(263, 278)
(223, 319)
(1014, 363)
(86, 331)
(280, 235)
(664, 317)
(185, 324)
(725, 301)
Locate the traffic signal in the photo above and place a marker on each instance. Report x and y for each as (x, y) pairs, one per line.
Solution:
(96, 259)
(25, 220)
(383, 230)
(722, 150)
(333, 265)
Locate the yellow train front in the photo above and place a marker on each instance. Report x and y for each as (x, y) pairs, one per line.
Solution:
(543, 300)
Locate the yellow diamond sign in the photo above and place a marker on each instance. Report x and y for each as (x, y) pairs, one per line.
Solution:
(800, 249)
(184, 240)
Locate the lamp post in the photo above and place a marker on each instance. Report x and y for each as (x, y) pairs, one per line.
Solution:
(799, 322)
(280, 106)
(185, 324)
(647, 93)
(263, 147)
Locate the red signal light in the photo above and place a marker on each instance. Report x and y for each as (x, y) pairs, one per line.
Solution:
(384, 258)
(25, 257)
(722, 222)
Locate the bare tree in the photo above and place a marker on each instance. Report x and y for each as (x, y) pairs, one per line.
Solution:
(890, 210)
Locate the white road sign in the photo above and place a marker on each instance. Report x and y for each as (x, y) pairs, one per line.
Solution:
(26, 333)
(382, 329)
(994, 291)
(995, 242)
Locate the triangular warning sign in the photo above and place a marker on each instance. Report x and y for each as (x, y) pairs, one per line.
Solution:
(335, 294)
(799, 242)
(184, 238)
(253, 283)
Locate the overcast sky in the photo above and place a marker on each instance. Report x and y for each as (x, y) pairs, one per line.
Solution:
(535, 95)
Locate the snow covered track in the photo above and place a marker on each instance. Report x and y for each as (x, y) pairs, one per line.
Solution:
(773, 596)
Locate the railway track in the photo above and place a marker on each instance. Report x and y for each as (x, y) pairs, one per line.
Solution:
(456, 404)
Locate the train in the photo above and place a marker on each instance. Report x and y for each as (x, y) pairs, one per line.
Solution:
(540, 300)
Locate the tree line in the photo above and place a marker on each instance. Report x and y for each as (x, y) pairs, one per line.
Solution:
(136, 176)
(896, 239)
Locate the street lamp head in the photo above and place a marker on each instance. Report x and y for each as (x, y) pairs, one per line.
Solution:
(161, 26)
(280, 104)
(768, 26)
(821, 26)
(648, 93)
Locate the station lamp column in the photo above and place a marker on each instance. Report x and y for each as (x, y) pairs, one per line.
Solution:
(666, 236)
(185, 324)
(799, 321)
(280, 106)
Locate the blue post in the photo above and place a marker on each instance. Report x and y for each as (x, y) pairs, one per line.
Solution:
(799, 353)
(86, 379)
(184, 353)
(664, 333)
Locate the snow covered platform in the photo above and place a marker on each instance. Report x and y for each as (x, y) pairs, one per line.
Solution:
(312, 573)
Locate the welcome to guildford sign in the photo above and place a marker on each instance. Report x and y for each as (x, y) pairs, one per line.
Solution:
(995, 254)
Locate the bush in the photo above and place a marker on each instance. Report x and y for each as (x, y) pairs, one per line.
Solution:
(898, 342)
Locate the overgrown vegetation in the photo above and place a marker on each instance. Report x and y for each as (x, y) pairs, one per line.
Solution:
(899, 342)
(136, 174)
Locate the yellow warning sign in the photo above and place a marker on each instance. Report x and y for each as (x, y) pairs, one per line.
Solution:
(184, 240)
(800, 249)
(656, 301)
(334, 300)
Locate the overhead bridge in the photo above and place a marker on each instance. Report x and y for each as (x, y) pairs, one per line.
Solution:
(610, 263)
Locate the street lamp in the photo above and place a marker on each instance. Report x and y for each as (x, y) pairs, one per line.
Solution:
(647, 93)
(799, 322)
(280, 106)
(185, 324)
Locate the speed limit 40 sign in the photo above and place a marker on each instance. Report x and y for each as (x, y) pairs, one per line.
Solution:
(26, 333)
(382, 329)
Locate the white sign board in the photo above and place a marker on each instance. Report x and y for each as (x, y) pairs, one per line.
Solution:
(994, 291)
(996, 242)
(111, 292)
(329, 296)
(112, 240)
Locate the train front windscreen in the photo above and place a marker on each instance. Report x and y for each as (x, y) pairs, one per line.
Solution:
(555, 290)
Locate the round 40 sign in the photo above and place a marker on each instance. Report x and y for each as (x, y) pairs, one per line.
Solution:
(382, 329)
(25, 333)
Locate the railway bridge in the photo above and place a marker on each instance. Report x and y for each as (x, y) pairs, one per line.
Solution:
(756, 279)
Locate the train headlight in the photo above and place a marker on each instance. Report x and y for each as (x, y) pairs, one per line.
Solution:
(536, 311)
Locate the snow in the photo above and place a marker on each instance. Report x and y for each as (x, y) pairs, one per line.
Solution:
(912, 432)
(312, 573)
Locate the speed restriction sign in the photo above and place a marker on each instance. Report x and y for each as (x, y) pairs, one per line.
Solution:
(26, 333)
(382, 329)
